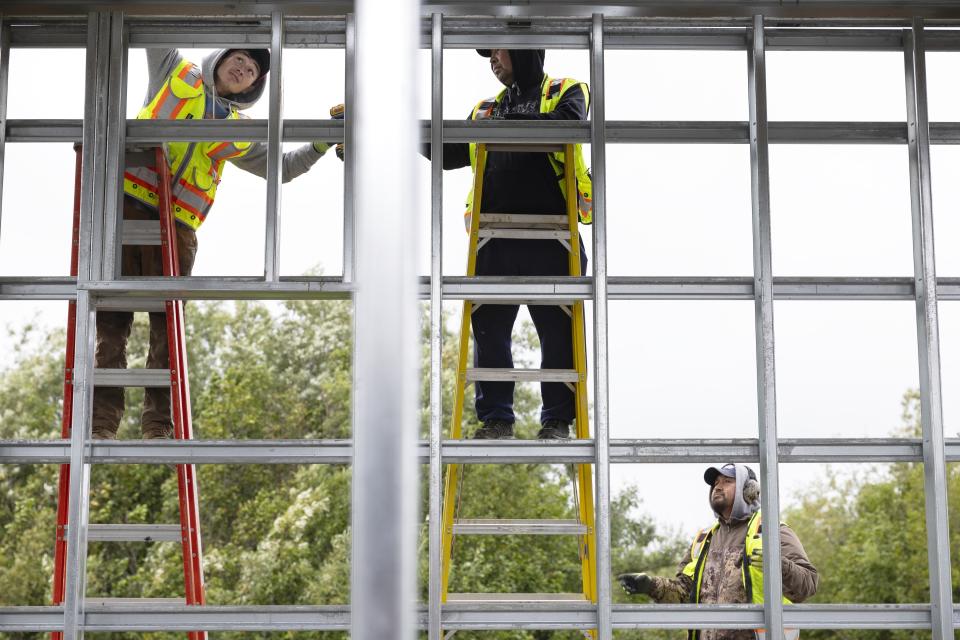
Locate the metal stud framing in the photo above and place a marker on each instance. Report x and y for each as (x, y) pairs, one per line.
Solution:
(103, 131)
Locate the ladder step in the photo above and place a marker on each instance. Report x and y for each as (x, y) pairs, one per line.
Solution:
(119, 304)
(523, 598)
(478, 374)
(131, 377)
(141, 232)
(514, 147)
(523, 219)
(524, 234)
(133, 602)
(134, 532)
(486, 526)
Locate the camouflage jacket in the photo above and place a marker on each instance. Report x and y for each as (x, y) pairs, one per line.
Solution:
(722, 579)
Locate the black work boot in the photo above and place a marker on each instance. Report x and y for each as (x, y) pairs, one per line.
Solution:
(554, 430)
(494, 430)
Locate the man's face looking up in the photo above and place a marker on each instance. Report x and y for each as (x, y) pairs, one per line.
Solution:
(236, 72)
(502, 66)
(722, 494)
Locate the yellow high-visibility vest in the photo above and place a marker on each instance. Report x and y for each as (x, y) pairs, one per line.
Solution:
(195, 167)
(551, 90)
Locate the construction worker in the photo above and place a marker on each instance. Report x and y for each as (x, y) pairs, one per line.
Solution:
(524, 183)
(724, 564)
(227, 82)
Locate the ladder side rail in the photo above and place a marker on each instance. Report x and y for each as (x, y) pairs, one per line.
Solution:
(180, 398)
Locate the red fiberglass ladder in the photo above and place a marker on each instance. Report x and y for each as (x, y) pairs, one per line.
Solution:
(188, 531)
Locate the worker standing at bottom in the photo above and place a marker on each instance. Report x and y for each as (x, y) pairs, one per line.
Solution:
(724, 564)
(524, 183)
(227, 82)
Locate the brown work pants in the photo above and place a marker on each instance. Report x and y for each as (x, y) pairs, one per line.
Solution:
(113, 330)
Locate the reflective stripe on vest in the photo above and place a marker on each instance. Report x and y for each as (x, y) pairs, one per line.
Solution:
(751, 576)
(552, 90)
(195, 167)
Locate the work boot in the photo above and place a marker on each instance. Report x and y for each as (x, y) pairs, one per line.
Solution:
(554, 430)
(103, 432)
(158, 432)
(494, 430)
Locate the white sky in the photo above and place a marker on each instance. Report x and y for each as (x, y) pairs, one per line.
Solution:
(677, 368)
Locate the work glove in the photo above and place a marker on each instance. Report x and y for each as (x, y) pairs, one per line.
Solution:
(336, 113)
(634, 583)
(756, 557)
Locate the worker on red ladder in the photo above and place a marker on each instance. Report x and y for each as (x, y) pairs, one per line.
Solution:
(227, 82)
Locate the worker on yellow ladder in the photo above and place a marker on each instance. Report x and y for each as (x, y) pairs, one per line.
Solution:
(227, 82)
(524, 183)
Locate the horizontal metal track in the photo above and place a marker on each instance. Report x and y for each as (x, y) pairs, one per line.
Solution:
(131, 377)
(134, 532)
(131, 304)
(463, 616)
(790, 450)
(548, 289)
(151, 132)
(493, 527)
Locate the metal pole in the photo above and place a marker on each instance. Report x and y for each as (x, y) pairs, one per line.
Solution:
(763, 297)
(4, 83)
(115, 144)
(271, 254)
(928, 335)
(436, 325)
(350, 93)
(386, 378)
(598, 164)
(89, 263)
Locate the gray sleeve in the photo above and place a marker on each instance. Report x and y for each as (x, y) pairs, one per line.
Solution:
(800, 577)
(295, 163)
(160, 64)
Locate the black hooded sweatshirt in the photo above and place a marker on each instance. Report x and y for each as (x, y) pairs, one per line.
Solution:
(522, 182)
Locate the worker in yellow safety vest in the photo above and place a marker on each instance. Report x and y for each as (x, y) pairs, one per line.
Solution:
(724, 564)
(524, 183)
(226, 82)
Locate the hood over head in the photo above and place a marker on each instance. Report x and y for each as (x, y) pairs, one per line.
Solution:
(527, 66)
(249, 97)
(745, 503)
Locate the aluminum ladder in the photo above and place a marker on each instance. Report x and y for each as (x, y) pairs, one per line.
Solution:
(187, 532)
(563, 228)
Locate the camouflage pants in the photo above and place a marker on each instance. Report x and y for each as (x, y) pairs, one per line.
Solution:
(113, 330)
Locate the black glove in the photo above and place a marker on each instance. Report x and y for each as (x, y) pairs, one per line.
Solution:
(634, 583)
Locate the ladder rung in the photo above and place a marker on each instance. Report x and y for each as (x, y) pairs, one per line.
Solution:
(478, 374)
(131, 377)
(526, 598)
(486, 526)
(514, 147)
(524, 219)
(541, 302)
(524, 234)
(141, 232)
(133, 602)
(134, 532)
(121, 304)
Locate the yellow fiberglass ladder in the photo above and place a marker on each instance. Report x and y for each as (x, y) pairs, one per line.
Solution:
(483, 227)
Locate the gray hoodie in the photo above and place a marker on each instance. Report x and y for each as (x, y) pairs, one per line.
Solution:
(162, 62)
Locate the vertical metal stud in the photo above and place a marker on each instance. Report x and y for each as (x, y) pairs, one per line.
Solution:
(90, 262)
(763, 301)
(4, 84)
(598, 164)
(928, 335)
(115, 144)
(271, 254)
(436, 324)
(350, 93)
(386, 377)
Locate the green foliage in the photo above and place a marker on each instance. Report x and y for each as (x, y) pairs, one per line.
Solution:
(275, 534)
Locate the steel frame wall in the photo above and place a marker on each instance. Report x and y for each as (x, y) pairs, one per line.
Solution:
(752, 26)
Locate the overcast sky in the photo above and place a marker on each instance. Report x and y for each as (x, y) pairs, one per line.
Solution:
(678, 369)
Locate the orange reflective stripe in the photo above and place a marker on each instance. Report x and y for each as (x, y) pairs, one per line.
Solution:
(196, 191)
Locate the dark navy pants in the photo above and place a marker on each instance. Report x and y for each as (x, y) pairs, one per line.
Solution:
(493, 326)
